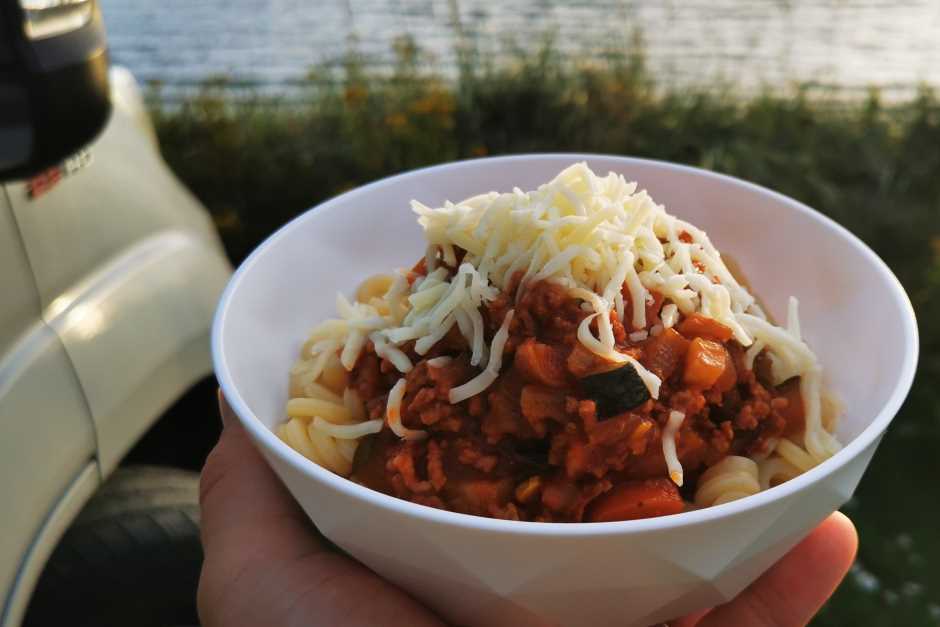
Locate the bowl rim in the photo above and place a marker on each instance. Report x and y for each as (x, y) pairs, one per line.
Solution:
(268, 440)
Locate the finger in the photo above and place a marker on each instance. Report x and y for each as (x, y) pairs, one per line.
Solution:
(238, 491)
(264, 562)
(248, 519)
(794, 589)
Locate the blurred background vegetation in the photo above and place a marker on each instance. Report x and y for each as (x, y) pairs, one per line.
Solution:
(872, 165)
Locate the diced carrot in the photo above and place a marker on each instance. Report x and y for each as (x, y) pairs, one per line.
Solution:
(697, 325)
(503, 418)
(481, 493)
(541, 403)
(663, 353)
(729, 376)
(705, 362)
(613, 429)
(637, 499)
(541, 363)
(578, 459)
(581, 362)
(559, 495)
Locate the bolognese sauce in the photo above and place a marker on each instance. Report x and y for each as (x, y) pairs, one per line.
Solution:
(535, 446)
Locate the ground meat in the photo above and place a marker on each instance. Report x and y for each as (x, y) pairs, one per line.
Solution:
(532, 446)
(427, 400)
(436, 465)
(545, 311)
(474, 458)
(368, 379)
(404, 471)
(419, 270)
(564, 500)
(505, 416)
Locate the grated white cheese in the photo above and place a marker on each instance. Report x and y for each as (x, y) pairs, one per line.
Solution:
(669, 315)
(439, 362)
(483, 380)
(393, 414)
(752, 352)
(669, 446)
(638, 336)
(392, 353)
(600, 237)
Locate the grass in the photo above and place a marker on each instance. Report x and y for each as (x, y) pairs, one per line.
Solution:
(872, 166)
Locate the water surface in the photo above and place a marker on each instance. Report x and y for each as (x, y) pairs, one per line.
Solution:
(852, 44)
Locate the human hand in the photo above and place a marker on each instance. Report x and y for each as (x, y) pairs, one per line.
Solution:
(265, 563)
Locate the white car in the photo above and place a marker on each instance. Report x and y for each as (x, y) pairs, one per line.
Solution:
(109, 275)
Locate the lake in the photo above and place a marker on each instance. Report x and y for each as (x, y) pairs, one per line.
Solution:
(848, 44)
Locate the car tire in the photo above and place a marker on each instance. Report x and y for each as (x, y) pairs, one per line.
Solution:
(132, 557)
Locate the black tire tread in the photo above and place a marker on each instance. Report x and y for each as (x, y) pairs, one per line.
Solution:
(139, 488)
(132, 557)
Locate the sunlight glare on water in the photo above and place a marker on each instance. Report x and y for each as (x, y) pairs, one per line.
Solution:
(851, 44)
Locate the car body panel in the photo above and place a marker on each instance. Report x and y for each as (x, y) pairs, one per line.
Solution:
(133, 330)
(46, 430)
(126, 97)
(66, 509)
(20, 308)
(46, 438)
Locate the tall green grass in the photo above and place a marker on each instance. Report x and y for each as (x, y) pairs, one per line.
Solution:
(874, 167)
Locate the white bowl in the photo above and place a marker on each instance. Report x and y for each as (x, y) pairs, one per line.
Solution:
(480, 571)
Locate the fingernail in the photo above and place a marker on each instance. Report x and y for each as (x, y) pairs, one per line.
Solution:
(225, 412)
